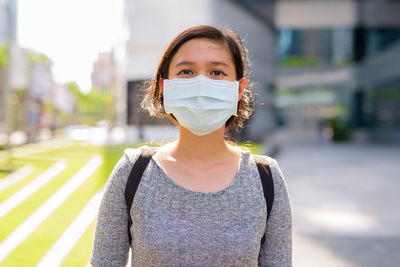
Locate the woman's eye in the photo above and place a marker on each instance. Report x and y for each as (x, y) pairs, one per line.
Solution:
(185, 72)
(217, 73)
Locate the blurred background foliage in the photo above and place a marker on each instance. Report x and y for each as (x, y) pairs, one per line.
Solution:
(91, 107)
(3, 56)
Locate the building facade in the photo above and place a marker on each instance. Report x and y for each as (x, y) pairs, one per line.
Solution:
(8, 34)
(339, 61)
(318, 64)
(103, 72)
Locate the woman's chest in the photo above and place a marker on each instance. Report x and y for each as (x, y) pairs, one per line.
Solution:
(202, 178)
(224, 226)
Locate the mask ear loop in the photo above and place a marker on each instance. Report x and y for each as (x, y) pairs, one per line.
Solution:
(242, 87)
(160, 94)
(242, 84)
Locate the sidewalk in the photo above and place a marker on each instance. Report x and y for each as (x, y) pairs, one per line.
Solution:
(345, 201)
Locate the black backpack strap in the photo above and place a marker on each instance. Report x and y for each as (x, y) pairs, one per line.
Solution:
(133, 181)
(267, 183)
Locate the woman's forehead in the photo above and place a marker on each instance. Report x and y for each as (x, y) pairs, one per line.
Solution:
(202, 50)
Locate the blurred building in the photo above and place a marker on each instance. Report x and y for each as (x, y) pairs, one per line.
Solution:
(29, 97)
(103, 72)
(3, 22)
(8, 33)
(150, 25)
(8, 21)
(41, 85)
(339, 63)
(104, 79)
(319, 65)
(33, 93)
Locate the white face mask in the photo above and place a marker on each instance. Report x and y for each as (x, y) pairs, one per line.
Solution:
(200, 104)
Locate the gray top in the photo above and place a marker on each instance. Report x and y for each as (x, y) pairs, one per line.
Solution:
(174, 226)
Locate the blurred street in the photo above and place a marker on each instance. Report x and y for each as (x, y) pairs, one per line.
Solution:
(345, 200)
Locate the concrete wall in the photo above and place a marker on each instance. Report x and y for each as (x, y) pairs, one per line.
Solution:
(260, 42)
(338, 13)
(151, 25)
(315, 14)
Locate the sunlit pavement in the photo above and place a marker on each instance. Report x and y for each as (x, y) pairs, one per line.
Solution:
(345, 200)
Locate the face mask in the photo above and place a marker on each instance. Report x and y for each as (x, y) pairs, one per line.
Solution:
(200, 104)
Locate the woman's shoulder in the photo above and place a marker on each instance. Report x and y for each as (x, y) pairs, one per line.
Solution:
(273, 164)
(125, 164)
(132, 154)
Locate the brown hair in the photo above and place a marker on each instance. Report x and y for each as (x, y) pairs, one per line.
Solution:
(153, 99)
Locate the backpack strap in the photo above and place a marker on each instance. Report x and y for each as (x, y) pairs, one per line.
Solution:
(267, 183)
(133, 181)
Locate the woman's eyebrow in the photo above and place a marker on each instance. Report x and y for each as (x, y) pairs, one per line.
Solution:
(184, 62)
(221, 63)
(214, 63)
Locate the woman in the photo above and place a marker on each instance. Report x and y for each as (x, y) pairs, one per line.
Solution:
(200, 201)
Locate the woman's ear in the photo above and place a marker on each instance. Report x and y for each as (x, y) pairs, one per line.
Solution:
(242, 86)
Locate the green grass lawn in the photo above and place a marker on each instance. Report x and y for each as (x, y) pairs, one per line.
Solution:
(30, 252)
(36, 245)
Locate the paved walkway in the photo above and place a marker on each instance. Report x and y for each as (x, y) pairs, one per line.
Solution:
(345, 201)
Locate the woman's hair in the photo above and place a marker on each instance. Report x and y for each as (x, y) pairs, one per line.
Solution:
(153, 98)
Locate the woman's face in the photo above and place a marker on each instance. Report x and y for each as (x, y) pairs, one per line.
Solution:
(202, 56)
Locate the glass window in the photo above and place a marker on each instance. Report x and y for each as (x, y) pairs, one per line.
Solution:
(311, 47)
(378, 39)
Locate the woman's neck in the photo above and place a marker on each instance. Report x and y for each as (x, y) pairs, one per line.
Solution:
(201, 148)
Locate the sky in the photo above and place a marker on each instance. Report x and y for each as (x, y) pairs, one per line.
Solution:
(71, 33)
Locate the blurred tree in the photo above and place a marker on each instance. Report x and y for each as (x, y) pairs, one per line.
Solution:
(90, 108)
(38, 58)
(3, 56)
(298, 61)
